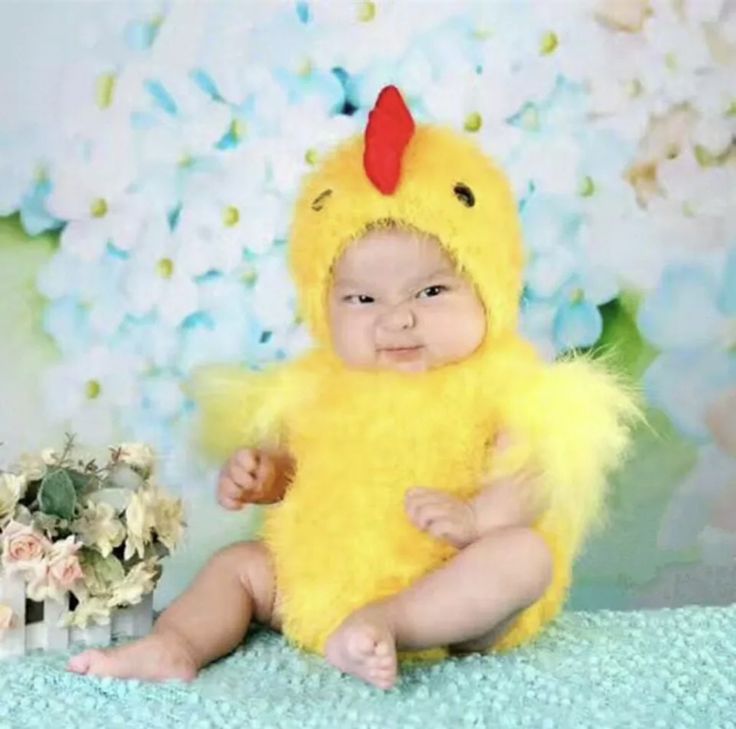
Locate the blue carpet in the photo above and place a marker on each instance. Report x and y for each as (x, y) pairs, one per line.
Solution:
(668, 668)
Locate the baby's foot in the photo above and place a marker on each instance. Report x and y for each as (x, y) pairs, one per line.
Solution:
(364, 646)
(157, 657)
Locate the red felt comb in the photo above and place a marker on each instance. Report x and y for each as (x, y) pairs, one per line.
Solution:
(390, 127)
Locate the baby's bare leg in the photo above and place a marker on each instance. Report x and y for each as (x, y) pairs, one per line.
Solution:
(208, 621)
(465, 599)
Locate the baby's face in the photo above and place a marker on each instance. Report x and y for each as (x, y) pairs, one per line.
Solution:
(397, 302)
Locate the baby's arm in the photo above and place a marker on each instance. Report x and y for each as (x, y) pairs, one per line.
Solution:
(506, 501)
(253, 476)
(501, 503)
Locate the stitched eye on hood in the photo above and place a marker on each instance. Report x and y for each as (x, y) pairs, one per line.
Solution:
(464, 194)
(321, 200)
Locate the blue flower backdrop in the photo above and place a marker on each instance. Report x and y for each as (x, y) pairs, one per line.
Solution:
(171, 146)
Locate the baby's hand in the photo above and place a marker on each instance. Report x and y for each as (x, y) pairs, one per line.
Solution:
(442, 515)
(246, 479)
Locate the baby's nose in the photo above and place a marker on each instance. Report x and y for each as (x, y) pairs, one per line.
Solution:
(399, 318)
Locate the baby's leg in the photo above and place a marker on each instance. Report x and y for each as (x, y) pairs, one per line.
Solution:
(464, 600)
(209, 620)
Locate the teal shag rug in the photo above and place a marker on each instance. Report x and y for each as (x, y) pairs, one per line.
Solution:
(667, 668)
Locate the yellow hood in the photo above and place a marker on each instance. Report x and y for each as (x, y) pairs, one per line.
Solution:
(446, 186)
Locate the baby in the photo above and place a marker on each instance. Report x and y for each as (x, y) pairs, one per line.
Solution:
(430, 478)
(397, 302)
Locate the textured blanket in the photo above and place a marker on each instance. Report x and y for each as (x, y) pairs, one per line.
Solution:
(669, 668)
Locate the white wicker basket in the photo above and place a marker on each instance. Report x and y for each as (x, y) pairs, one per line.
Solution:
(47, 634)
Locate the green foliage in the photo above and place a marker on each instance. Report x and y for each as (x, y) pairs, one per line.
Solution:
(57, 495)
(101, 572)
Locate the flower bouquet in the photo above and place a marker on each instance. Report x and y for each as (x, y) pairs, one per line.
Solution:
(82, 539)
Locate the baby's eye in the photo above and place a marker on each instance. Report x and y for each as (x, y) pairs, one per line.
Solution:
(431, 291)
(358, 299)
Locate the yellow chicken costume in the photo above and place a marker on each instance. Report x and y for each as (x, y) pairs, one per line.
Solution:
(361, 439)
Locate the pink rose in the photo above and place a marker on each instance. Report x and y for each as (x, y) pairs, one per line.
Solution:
(23, 547)
(64, 569)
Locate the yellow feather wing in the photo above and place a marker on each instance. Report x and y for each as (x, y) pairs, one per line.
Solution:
(573, 421)
(240, 407)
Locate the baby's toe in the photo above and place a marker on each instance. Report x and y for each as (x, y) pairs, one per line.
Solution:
(83, 662)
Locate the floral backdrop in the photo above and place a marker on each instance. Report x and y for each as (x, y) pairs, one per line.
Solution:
(151, 152)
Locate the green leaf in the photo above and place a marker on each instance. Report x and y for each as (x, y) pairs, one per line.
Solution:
(57, 495)
(621, 341)
(83, 482)
(100, 572)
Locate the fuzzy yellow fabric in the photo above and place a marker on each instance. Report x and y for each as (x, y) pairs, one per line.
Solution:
(361, 439)
(484, 240)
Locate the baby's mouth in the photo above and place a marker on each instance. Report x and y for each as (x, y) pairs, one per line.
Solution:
(401, 354)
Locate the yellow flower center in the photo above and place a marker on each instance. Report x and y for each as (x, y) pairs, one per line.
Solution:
(311, 156)
(105, 90)
(249, 277)
(634, 87)
(230, 216)
(366, 12)
(98, 208)
(92, 389)
(473, 122)
(549, 43)
(165, 268)
(587, 187)
(577, 295)
(237, 129)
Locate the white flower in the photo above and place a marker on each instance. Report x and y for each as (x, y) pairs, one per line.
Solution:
(274, 297)
(139, 456)
(226, 213)
(169, 520)
(50, 456)
(160, 279)
(32, 466)
(679, 53)
(93, 609)
(88, 388)
(99, 527)
(140, 520)
(138, 582)
(87, 301)
(183, 124)
(12, 488)
(303, 136)
(94, 196)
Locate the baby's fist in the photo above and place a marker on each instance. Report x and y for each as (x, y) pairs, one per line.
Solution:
(245, 479)
(442, 515)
